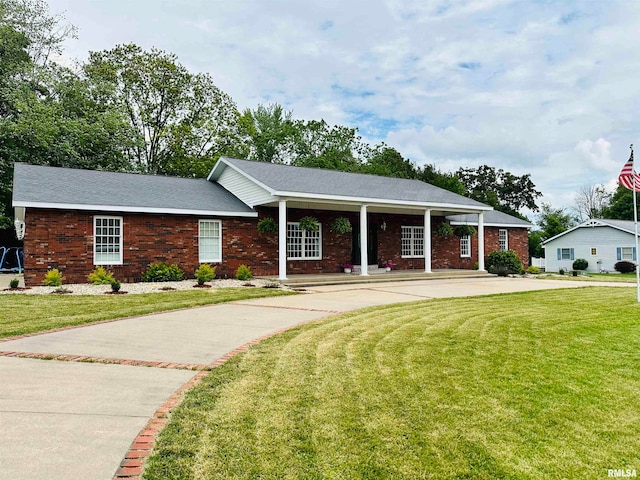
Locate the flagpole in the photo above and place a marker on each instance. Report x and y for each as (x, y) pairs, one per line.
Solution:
(635, 222)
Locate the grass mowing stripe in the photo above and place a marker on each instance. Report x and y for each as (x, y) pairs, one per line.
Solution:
(531, 385)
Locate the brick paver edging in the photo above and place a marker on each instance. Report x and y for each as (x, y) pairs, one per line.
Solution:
(134, 460)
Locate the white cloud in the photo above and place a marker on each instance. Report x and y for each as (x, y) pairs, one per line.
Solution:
(547, 88)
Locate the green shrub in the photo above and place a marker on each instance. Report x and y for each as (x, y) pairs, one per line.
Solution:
(14, 283)
(100, 276)
(205, 273)
(503, 262)
(533, 270)
(267, 225)
(115, 286)
(625, 267)
(162, 272)
(243, 273)
(580, 264)
(53, 278)
(561, 271)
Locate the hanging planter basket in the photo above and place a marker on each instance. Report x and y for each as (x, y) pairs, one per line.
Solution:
(267, 225)
(341, 225)
(464, 230)
(310, 224)
(444, 230)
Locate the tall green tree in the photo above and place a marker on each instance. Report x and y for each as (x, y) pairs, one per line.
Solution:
(502, 190)
(333, 147)
(269, 133)
(388, 162)
(553, 221)
(449, 181)
(182, 121)
(621, 205)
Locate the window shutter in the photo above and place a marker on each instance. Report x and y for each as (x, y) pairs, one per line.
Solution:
(559, 254)
(634, 254)
(572, 256)
(619, 253)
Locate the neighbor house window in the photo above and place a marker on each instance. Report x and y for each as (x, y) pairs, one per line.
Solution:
(503, 239)
(209, 241)
(594, 251)
(626, 253)
(303, 244)
(412, 242)
(465, 246)
(107, 240)
(566, 254)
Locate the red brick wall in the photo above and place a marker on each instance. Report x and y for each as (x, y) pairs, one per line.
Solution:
(64, 240)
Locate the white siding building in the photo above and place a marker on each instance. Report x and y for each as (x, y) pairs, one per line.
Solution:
(600, 242)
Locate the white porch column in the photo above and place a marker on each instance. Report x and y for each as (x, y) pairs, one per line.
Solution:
(481, 241)
(364, 261)
(427, 241)
(282, 240)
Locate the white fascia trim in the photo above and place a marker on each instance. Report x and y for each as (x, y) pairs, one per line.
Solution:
(498, 225)
(380, 202)
(121, 208)
(240, 171)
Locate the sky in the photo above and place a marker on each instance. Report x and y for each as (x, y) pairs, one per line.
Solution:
(540, 87)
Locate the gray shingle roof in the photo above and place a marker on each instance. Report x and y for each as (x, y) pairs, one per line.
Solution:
(37, 184)
(287, 178)
(492, 217)
(627, 225)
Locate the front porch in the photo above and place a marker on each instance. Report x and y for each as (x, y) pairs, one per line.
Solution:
(314, 280)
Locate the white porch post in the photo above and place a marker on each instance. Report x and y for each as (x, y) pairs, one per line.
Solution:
(282, 240)
(364, 261)
(481, 241)
(427, 241)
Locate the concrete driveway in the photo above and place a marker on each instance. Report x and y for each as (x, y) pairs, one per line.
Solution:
(67, 419)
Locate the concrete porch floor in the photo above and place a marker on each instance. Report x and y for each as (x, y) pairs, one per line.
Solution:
(314, 280)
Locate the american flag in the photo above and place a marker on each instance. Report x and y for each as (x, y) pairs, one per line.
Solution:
(628, 178)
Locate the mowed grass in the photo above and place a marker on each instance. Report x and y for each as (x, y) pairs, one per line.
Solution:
(537, 385)
(593, 277)
(22, 313)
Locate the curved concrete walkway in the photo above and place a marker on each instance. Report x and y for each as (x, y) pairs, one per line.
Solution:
(70, 419)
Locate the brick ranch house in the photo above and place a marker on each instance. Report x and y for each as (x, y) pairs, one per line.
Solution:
(75, 220)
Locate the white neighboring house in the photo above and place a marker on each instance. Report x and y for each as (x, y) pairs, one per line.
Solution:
(600, 242)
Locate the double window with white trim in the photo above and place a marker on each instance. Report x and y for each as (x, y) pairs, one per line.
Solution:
(107, 240)
(303, 244)
(412, 242)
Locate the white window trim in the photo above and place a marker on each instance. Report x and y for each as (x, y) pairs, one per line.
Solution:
(304, 236)
(506, 238)
(202, 259)
(467, 239)
(562, 250)
(413, 239)
(622, 255)
(593, 251)
(108, 217)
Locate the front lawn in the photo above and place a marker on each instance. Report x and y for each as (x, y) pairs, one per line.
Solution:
(592, 277)
(20, 314)
(531, 385)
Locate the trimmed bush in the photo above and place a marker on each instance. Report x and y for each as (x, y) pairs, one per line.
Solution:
(243, 273)
(561, 271)
(533, 270)
(625, 267)
(100, 276)
(580, 264)
(503, 262)
(53, 278)
(162, 272)
(205, 273)
(14, 283)
(115, 286)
